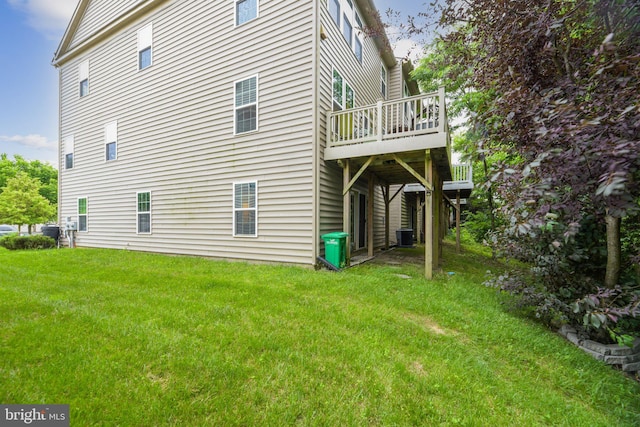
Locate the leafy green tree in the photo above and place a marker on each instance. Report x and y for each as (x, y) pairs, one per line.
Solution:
(562, 87)
(436, 70)
(44, 172)
(553, 86)
(8, 170)
(22, 204)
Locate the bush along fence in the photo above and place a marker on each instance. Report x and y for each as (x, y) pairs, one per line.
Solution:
(627, 358)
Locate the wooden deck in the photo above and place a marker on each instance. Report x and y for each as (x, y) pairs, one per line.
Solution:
(401, 141)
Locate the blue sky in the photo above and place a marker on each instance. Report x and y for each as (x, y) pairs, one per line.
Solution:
(30, 31)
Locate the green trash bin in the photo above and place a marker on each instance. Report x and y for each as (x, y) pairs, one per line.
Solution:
(335, 248)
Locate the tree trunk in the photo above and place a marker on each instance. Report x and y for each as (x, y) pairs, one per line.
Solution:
(613, 251)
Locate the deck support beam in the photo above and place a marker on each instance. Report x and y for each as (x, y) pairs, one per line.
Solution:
(385, 196)
(419, 218)
(386, 191)
(437, 215)
(362, 170)
(428, 217)
(346, 206)
(425, 183)
(458, 207)
(370, 215)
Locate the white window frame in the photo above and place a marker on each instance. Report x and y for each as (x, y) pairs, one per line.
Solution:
(344, 17)
(235, 13)
(344, 86)
(247, 209)
(110, 137)
(139, 212)
(358, 48)
(358, 20)
(347, 25)
(145, 41)
(69, 147)
(83, 76)
(384, 81)
(239, 107)
(85, 215)
(336, 15)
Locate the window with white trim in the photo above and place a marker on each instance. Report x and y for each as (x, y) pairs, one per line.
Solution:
(143, 209)
(246, 10)
(383, 80)
(145, 46)
(83, 78)
(334, 11)
(246, 105)
(245, 209)
(111, 140)
(343, 94)
(347, 29)
(358, 49)
(348, 21)
(69, 146)
(83, 220)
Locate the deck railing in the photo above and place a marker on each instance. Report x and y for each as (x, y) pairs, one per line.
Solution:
(406, 117)
(461, 173)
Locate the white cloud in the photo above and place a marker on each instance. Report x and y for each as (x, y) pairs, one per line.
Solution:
(407, 48)
(50, 17)
(32, 141)
(404, 47)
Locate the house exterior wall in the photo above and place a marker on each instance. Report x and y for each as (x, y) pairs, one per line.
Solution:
(175, 131)
(99, 13)
(364, 78)
(397, 212)
(174, 123)
(396, 83)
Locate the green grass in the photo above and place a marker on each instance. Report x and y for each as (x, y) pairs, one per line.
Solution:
(136, 339)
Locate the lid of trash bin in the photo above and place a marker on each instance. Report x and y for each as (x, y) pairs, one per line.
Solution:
(335, 235)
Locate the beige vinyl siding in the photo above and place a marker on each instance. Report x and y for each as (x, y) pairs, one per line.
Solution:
(397, 213)
(406, 215)
(365, 80)
(98, 14)
(395, 82)
(175, 133)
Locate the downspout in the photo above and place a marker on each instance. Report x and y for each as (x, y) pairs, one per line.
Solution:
(315, 129)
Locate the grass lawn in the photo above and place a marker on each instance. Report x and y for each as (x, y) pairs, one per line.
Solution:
(136, 339)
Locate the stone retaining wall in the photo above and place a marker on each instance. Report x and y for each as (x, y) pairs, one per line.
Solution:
(626, 358)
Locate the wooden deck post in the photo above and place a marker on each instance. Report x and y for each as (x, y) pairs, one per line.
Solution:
(436, 196)
(419, 218)
(387, 202)
(379, 121)
(428, 209)
(442, 224)
(346, 206)
(458, 247)
(370, 214)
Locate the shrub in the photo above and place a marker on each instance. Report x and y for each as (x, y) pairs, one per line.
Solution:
(564, 281)
(15, 242)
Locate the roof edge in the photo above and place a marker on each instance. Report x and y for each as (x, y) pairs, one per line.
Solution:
(371, 16)
(78, 13)
(63, 55)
